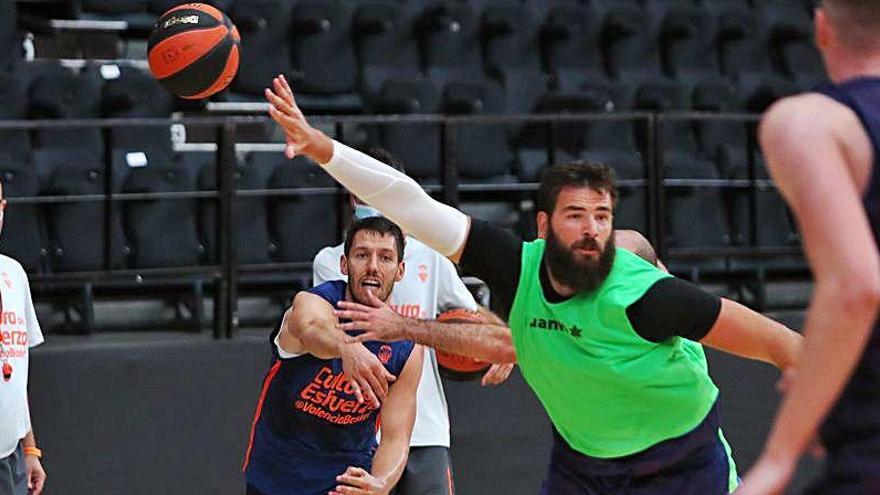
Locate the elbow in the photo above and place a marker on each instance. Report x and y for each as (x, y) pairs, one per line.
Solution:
(858, 294)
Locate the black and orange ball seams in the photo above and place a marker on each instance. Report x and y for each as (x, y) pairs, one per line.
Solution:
(453, 366)
(194, 50)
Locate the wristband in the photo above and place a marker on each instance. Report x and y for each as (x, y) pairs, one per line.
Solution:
(34, 452)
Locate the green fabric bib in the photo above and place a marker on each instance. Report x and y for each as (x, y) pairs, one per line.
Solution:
(608, 391)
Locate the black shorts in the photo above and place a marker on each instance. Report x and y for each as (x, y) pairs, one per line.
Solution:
(428, 472)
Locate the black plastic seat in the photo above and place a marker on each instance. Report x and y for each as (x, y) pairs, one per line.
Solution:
(264, 26)
(303, 225)
(24, 231)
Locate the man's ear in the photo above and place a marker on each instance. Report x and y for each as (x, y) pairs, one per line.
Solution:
(343, 265)
(401, 270)
(543, 221)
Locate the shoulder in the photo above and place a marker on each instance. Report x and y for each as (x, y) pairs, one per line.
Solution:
(332, 291)
(11, 266)
(806, 115)
(631, 276)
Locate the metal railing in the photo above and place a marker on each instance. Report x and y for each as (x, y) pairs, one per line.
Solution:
(224, 273)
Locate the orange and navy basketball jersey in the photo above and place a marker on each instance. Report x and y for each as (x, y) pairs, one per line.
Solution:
(851, 433)
(308, 427)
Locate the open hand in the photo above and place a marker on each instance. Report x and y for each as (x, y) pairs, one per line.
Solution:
(357, 481)
(767, 477)
(378, 321)
(36, 476)
(369, 378)
(302, 138)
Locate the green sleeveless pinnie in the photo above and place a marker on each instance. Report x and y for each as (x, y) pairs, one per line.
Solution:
(609, 392)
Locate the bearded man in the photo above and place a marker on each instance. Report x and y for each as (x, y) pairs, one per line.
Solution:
(610, 343)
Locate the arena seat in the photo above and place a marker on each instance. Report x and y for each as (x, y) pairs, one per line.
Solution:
(417, 145)
(325, 83)
(9, 47)
(292, 216)
(161, 233)
(775, 228)
(24, 231)
(684, 227)
(629, 43)
(570, 46)
(481, 151)
(14, 143)
(264, 26)
(74, 244)
(250, 223)
(449, 43)
(687, 36)
(134, 12)
(136, 94)
(386, 47)
(59, 93)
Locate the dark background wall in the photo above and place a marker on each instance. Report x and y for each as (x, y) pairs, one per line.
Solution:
(173, 417)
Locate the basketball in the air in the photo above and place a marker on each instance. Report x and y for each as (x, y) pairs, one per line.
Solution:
(454, 366)
(193, 50)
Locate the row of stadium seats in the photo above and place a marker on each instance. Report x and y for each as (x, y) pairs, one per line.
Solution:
(347, 56)
(529, 48)
(482, 151)
(153, 233)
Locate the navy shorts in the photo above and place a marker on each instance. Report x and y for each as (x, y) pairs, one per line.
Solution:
(696, 463)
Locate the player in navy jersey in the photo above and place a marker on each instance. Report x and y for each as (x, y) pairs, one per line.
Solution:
(823, 149)
(314, 430)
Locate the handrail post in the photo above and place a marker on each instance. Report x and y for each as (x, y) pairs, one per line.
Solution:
(109, 207)
(450, 167)
(656, 203)
(226, 287)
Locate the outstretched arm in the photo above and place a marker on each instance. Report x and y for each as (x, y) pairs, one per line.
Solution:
(397, 196)
(745, 333)
(486, 342)
(818, 154)
(309, 326)
(397, 419)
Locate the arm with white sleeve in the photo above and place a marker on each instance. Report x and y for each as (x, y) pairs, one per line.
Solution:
(398, 197)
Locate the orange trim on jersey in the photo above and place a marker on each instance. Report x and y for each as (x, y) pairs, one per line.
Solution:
(269, 377)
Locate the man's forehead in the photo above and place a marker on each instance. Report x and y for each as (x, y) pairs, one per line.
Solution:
(370, 239)
(583, 196)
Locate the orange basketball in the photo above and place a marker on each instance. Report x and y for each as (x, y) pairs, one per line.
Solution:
(455, 366)
(193, 50)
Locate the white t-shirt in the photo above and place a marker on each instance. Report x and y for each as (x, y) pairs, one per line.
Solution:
(19, 331)
(430, 286)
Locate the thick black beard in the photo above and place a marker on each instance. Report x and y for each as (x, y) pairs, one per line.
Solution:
(584, 276)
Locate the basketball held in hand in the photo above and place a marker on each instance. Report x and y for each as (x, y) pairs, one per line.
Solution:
(454, 366)
(194, 50)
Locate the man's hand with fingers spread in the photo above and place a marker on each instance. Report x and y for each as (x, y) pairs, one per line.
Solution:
(367, 375)
(302, 138)
(356, 481)
(378, 321)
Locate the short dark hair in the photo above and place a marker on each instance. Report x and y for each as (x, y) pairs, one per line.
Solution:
(381, 226)
(856, 21)
(581, 173)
